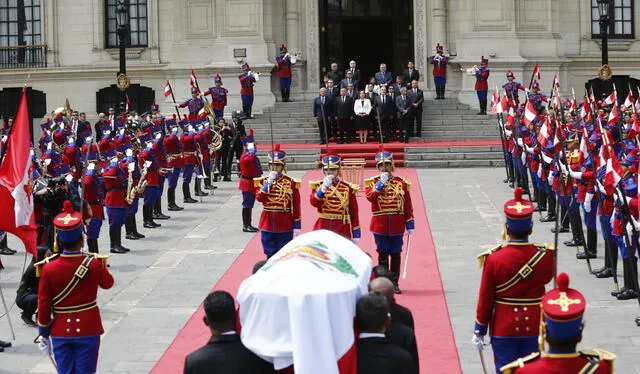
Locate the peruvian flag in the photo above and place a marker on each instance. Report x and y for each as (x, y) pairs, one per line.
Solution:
(558, 139)
(15, 190)
(614, 116)
(536, 72)
(495, 100)
(530, 113)
(614, 172)
(167, 89)
(585, 110)
(557, 101)
(628, 102)
(584, 150)
(543, 134)
(511, 114)
(193, 82)
(610, 99)
(556, 82)
(501, 104)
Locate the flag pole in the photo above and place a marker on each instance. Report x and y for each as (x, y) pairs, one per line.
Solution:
(175, 104)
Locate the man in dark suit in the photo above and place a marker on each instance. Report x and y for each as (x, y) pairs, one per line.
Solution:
(98, 126)
(355, 72)
(224, 353)
(411, 74)
(334, 74)
(352, 91)
(392, 93)
(417, 98)
(384, 108)
(322, 111)
(399, 83)
(343, 110)
(332, 89)
(403, 106)
(375, 354)
(383, 77)
(348, 80)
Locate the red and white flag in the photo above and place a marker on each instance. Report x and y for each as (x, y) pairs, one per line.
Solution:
(610, 99)
(167, 89)
(536, 72)
(558, 138)
(556, 82)
(614, 116)
(16, 196)
(543, 134)
(193, 82)
(495, 100)
(585, 110)
(628, 102)
(530, 113)
(614, 172)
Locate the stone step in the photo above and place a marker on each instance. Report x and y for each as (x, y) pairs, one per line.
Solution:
(292, 130)
(453, 149)
(454, 156)
(454, 163)
(455, 131)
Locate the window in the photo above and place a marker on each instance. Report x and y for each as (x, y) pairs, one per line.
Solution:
(20, 23)
(138, 34)
(620, 19)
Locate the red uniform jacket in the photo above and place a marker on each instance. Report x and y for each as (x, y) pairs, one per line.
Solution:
(173, 146)
(564, 363)
(218, 97)
(246, 84)
(72, 153)
(93, 189)
(161, 156)
(338, 208)
(115, 182)
(76, 314)
(153, 171)
(391, 208)
(284, 67)
(482, 76)
(204, 146)
(249, 168)
(189, 145)
(510, 303)
(281, 204)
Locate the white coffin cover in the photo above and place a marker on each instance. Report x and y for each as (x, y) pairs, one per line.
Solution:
(299, 308)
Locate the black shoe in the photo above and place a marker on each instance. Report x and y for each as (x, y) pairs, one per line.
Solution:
(150, 225)
(615, 293)
(4, 344)
(28, 321)
(131, 236)
(605, 273)
(226, 179)
(140, 236)
(117, 249)
(175, 208)
(158, 215)
(249, 228)
(628, 294)
(7, 251)
(548, 218)
(573, 243)
(562, 229)
(396, 289)
(583, 255)
(123, 248)
(190, 201)
(637, 321)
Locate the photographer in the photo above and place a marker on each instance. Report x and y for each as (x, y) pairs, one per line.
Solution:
(223, 160)
(49, 194)
(239, 132)
(27, 294)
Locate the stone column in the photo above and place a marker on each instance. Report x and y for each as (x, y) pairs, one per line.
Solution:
(420, 50)
(292, 21)
(312, 47)
(439, 23)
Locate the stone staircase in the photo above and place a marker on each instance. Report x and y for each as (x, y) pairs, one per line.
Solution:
(449, 120)
(453, 156)
(297, 159)
(293, 122)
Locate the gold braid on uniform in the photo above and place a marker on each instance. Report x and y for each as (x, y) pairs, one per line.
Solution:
(341, 205)
(391, 195)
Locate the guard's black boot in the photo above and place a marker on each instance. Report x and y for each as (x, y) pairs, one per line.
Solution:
(134, 225)
(128, 226)
(198, 188)
(630, 271)
(4, 247)
(93, 245)
(207, 183)
(157, 209)
(171, 196)
(246, 221)
(147, 213)
(187, 194)
(604, 273)
(118, 237)
(114, 238)
(288, 94)
(283, 95)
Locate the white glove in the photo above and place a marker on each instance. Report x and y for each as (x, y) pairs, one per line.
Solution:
(527, 90)
(355, 240)
(384, 177)
(629, 229)
(272, 176)
(587, 202)
(45, 345)
(477, 342)
(326, 183)
(410, 231)
(636, 224)
(550, 179)
(575, 174)
(296, 232)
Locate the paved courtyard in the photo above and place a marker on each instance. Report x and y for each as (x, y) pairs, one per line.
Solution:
(167, 275)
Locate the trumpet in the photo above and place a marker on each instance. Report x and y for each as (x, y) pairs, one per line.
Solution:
(471, 71)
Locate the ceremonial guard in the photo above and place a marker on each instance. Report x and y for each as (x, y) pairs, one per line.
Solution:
(148, 162)
(129, 163)
(247, 79)
(392, 212)
(536, 97)
(115, 182)
(194, 104)
(512, 88)
(94, 193)
(561, 326)
(160, 154)
(204, 155)
(250, 168)
(336, 201)
(439, 62)
(283, 63)
(218, 97)
(513, 280)
(175, 162)
(189, 154)
(68, 315)
(280, 197)
(482, 84)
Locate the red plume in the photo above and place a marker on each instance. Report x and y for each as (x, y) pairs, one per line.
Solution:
(380, 148)
(251, 132)
(68, 206)
(276, 147)
(517, 194)
(175, 116)
(563, 282)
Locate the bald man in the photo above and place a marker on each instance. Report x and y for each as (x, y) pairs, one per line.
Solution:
(397, 333)
(399, 313)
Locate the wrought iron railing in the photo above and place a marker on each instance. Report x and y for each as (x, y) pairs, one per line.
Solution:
(23, 57)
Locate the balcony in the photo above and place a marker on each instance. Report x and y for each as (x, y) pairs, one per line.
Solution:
(23, 57)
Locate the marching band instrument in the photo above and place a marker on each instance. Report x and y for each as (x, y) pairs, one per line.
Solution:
(142, 182)
(471, 71)
(130, 195)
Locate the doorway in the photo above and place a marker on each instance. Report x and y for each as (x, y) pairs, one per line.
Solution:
(369, 45)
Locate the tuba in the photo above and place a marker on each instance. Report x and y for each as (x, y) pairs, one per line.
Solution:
(216, 142)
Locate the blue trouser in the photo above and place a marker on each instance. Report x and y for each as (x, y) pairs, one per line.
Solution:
(285, 83)
(161, 186)
(388, 243)
(206, 165)
(248, 199)
(247, 100)
(150, 194)
(76, 355)
(272, 242)
(187, 173)
(590, 217)
(219, 113)
(440, 81)
(116, 216)
(482, 95)
(133, 208)
(625, 251)
(508, 349)
(173, 177)
(93, 228)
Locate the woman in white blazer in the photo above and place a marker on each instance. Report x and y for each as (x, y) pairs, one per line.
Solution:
(362, 108)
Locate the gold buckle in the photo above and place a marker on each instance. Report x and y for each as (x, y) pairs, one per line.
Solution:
(525, 271)
(81, 271)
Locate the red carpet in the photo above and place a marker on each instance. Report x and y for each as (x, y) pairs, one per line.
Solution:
(422, 290)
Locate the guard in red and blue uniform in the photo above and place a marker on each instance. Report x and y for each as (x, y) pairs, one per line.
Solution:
(562, 324)
(194, 104)
(536, 97)
(439, 62)
(147, 160)
(512, 285)
(68, 315)
(482, 84)
(203, 158)
(336, 201)
(512, 88)
(72, 156)
(280, 197)
(55, 162)
(175, 162)
(250, 168)
(392, 212)
(94, 194)
(115, 182)
(283, 63)
(189, 154)
(247, 79)
(218, 97)
(161, 155)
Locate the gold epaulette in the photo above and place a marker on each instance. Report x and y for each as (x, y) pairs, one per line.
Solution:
(102, 258)
(315, 185)
(38, 265)
(257, 182)
(354, 187)
(370, 182)
(482, 257)
(297, 182)
(600, 354)
(519, 363)
(547, 246)
(406, 181)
